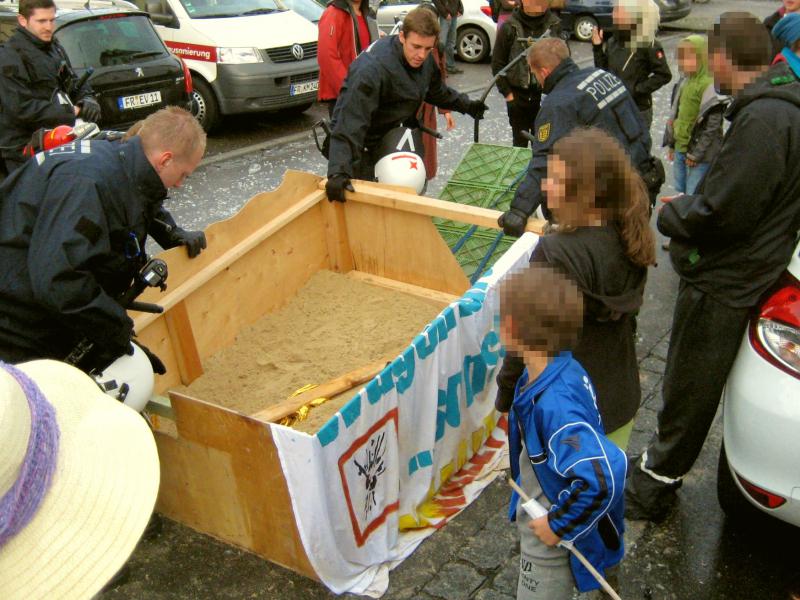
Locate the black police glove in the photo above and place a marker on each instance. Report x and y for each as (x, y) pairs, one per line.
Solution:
(475, 109)
(513, 222)
(90, 110)
(155, 362)
(195, 241)
(336, 186)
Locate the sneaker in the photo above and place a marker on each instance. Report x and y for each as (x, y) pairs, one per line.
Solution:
(454, 70)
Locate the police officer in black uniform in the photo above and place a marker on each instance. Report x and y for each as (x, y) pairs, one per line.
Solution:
(384, 89)
(518, 86)
(73, 224)
(576, 97)
(37, 84)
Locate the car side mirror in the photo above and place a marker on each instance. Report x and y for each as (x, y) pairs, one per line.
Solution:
(165, 20)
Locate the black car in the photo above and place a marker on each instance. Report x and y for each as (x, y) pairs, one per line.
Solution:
(134, 73)
(579, 17)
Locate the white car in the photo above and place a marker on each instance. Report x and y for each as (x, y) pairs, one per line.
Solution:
(759, 463)
(476, 30)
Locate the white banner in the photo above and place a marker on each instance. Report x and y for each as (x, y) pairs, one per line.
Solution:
(408, 452)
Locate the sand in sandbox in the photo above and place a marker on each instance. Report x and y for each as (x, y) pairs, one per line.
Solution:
(333, 325)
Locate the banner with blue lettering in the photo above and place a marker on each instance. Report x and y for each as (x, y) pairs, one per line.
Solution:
(411, 450)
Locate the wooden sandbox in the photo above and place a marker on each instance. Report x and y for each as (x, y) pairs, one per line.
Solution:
(220, 472)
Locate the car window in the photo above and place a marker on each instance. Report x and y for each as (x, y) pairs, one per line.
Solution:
(8, 25)
(308, 9)
(215, 9)
(398, 2)
(109, 41)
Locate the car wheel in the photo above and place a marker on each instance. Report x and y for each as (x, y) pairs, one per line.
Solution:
(583, 28)
(472, 45)
(735, 505)
(204, 104)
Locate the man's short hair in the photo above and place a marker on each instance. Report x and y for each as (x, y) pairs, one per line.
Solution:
(743, 38)
(422, 22)
(172, 129)
(26, 7)
(548, 53)
(546, 308)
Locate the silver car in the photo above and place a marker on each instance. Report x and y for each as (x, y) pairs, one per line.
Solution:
(475, 34)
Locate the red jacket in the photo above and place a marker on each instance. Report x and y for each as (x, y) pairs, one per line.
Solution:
(337, 45)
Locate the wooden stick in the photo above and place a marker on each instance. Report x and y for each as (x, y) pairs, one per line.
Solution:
(569, 546)
(348, 381)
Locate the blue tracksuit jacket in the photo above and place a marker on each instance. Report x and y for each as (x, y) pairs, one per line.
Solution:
(581, 472)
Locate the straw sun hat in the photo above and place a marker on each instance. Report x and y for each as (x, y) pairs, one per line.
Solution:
(87, 507)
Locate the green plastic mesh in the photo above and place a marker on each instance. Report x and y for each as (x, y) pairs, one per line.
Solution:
(484, 178)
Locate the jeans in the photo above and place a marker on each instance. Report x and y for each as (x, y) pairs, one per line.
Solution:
(687, 178)
(447, 38)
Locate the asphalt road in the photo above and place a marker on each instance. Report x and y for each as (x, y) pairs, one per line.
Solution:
(695, 554)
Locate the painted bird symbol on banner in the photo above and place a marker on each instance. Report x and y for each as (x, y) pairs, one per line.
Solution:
(372, 468)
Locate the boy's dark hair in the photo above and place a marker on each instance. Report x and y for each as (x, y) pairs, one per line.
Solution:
(422, 22)
(26, 7)
(743, 38)
(545, 307)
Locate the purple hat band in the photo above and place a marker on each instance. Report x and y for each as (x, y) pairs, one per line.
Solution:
(20, 503)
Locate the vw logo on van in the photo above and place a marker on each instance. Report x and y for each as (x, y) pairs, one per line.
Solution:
(139, 72)
(297, 52)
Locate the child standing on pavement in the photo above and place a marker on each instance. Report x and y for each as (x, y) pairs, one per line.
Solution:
(693, 134)
(559, 453)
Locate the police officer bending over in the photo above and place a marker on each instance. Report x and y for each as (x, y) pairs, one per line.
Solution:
(73, 225)
(384, 88)
(37, 82)
(576, 97)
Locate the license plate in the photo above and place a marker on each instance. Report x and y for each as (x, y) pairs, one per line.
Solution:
(139, 100)
(303, 88)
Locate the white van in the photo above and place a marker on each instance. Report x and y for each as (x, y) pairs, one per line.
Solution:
(243, 55)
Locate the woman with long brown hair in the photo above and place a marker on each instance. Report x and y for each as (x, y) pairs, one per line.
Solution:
(605, 244)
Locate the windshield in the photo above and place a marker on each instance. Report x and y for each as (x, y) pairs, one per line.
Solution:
(309, 9)
(127, 39)
(217, 9)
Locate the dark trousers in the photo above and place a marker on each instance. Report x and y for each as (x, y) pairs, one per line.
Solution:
(705, 339)
(522, 114)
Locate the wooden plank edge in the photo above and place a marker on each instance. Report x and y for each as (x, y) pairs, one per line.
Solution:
(377, 195)
(214, 268)
(330, 389)
(405, 288)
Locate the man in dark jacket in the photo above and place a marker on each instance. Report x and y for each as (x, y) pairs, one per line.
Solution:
(519, 87)
(575, 97)
(633, 53)
(449, 11)
(384, 89)
(730, 243)
(73, 224)
(37, 84)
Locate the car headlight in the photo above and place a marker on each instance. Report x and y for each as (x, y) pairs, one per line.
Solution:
(775, 332)
(782, 341)
(238, 56)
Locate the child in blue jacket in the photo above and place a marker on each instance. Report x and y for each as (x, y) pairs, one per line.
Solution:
(558, 448)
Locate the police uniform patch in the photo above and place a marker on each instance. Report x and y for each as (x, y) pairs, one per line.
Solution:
(543, 133)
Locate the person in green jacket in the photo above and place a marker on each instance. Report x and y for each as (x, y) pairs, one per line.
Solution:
(693, 134)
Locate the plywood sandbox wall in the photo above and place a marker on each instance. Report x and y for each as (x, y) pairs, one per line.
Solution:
(220, 473)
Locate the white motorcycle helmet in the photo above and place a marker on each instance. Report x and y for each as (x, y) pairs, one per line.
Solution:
(401, 162)
(129, 379)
